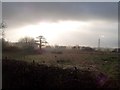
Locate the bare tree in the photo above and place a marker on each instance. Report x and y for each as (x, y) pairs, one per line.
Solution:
(2, 28)
(27, 42)
(3, 43)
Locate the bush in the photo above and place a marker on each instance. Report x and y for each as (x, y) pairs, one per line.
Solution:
(11, 49)
(63, 61)
(57, 52)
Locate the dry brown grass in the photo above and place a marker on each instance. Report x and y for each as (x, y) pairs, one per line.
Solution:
(97, 61)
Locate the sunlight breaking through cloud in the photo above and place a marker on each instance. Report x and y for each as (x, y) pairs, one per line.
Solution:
(51, 30)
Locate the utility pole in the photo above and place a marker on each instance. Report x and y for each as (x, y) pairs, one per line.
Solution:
(99, 43)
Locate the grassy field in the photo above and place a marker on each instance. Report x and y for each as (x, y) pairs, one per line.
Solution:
(23, 75)
(91, 61)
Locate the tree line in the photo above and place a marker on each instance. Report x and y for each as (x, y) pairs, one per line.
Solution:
(27, 44)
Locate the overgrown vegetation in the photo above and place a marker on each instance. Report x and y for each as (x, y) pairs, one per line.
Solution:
(21, 74)
(107, 63)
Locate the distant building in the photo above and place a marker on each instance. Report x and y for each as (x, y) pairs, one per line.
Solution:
(87, 49)
(117, 50)
(76, 47)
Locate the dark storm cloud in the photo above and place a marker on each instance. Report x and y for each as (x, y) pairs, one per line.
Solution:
(60, 0)
(17, 14)
(103, 16)
(0, 11)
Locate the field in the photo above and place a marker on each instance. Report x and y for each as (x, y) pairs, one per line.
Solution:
(103, 62)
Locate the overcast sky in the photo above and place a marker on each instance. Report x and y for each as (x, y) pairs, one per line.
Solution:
(63, 23)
